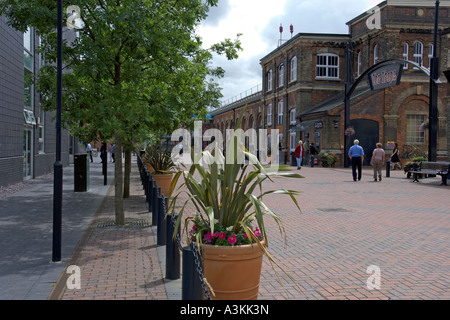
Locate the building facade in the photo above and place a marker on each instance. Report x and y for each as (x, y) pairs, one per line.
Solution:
(304, 81)
(27, 133)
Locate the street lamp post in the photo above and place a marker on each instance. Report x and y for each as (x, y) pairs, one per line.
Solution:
(434, 76)
(58, 168)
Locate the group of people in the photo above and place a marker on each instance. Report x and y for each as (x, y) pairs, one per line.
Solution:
(300, 152)
(356, 155)
(103, 153)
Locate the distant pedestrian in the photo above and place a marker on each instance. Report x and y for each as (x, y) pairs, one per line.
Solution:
(280, 150)
(312, 153)
(111, 153)
(395, 159)
(356, 155)
(378, 158)
(306, 157)
(89, 151)
(299, 153)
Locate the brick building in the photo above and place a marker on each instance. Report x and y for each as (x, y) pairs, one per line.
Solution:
(27, 133)
(303, 84)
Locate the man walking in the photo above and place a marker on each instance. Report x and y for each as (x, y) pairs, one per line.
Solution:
(356, 155)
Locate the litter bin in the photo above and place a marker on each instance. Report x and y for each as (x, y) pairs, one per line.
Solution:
(81, 172)
(293, 159)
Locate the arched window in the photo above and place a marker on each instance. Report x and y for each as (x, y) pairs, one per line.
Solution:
(375, 54)
(418, 53)
(405, 54)
(293, 75)
(280, 111)
(281, 75)
(430, 55)
(269, 114)
(269, 80)
(359, 67)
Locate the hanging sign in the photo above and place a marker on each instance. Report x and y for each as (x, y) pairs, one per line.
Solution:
(386, 76)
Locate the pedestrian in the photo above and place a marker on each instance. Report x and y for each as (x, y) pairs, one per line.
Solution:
(306, 157)
(312, 153)
(299, 153)
(356, 155)
(395, 159)
(111, 153)
(378, 158)
(89, 151)
(280, 149)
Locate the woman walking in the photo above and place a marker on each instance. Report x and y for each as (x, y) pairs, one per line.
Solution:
(378, 158)
(395, 159)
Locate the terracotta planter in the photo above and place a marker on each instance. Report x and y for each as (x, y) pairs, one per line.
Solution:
(163, 181)
(233, 272)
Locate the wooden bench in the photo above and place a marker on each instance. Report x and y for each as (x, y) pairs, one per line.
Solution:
(431, 168)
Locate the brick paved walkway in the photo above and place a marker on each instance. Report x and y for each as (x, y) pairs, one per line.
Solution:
(346, 226)
(399, 226)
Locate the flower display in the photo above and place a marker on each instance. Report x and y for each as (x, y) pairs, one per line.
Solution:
(424, 125)
(223, 236)
(349, 131)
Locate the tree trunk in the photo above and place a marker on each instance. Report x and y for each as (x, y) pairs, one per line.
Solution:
(118, 202)
(126, 181)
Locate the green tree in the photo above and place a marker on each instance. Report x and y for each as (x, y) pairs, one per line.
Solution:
(135, 67)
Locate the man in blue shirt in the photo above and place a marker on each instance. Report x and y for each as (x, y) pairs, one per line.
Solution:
(356, 155)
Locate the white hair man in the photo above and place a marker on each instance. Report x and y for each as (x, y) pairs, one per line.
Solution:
(356, 155)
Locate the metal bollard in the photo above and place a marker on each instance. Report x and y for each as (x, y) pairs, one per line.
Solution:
(150, 196)
(162, 227)
(148, 183)
(172, 250)
(388, 169)
(156, 193)
(191, 287)
(145, 185)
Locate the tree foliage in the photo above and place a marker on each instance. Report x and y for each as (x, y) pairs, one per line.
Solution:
(135, 67)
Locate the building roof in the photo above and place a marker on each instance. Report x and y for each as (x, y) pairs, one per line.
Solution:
(307, 36)
(334, 102)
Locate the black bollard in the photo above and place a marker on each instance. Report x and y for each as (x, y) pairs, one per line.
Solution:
(152, 186)
(156, 193)
(388, 169)
(191, 287)
(172, 250)
(162, 226)
(145, 185)
(105, 172)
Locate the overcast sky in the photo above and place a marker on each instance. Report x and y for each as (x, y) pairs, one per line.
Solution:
(259, 22)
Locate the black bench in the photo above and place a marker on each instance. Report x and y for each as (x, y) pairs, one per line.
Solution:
(431, 168)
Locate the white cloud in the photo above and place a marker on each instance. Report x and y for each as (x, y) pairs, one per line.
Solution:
(259, 21)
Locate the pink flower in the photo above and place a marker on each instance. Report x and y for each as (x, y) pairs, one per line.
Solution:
(208, 237)
(232, 239)
(222, 235)
(216, 234)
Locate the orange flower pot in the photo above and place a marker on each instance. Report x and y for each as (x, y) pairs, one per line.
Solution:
(233, 272)
(163, 181)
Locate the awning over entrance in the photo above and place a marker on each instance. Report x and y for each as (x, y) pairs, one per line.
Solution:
(303, 126)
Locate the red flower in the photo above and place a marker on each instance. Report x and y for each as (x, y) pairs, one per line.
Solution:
(222, 235)
(232, 239)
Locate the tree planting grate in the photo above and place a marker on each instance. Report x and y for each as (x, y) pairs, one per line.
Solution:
(137, 223)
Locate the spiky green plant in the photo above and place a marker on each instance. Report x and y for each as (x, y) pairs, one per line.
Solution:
(228, 194)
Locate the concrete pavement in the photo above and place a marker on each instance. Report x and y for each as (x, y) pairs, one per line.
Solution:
(26, 227)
